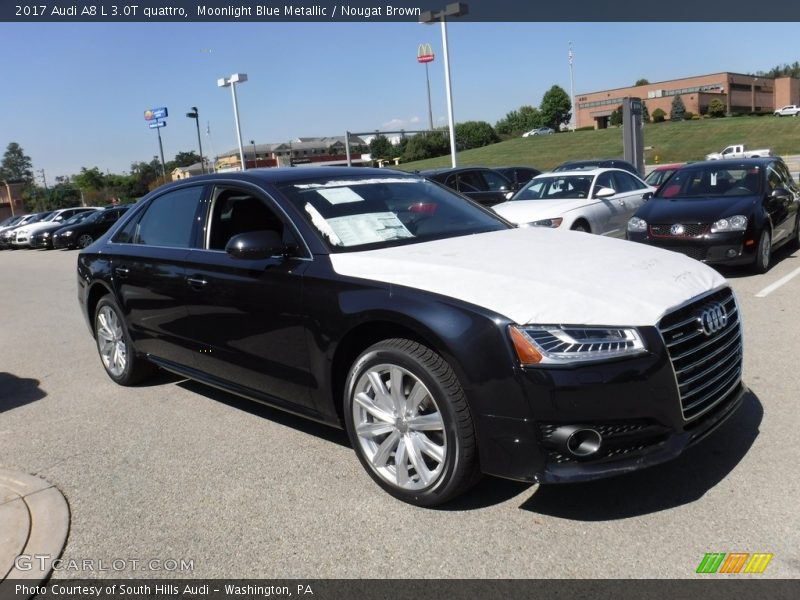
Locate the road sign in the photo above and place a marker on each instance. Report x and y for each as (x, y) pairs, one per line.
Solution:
(155, 113)
(157, 124)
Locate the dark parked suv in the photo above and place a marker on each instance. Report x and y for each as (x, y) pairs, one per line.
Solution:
(383, 303)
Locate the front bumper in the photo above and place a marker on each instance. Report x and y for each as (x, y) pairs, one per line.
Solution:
(635, 405)
(728, 248)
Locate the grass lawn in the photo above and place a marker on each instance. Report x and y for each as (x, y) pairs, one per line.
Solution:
(671, 142)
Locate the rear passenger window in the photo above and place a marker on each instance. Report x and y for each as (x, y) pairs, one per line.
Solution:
(169, 219)
(626, 182)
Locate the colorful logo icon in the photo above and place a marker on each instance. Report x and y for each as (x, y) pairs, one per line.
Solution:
(148, 115)
(734, 562)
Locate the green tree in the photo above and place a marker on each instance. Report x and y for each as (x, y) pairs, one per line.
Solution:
(381, 147)
(615, 120)
(716, 108)
(641, 82)
(677, 110)
(645, 113)
(475, 134)
(183, 159)
(659, 116)
(16, 166)
(427, 145)
(90, 179)
(555, 108)
(63, 195)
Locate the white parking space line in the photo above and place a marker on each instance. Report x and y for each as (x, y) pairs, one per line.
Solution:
(782, 281)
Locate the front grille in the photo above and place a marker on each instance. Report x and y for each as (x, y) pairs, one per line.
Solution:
(707, 366)
(695, 252)
(689, 229)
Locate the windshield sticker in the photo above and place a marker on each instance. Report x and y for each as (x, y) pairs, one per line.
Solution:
(354, 230)
(340, 195)
(322, 225)
(352, 182)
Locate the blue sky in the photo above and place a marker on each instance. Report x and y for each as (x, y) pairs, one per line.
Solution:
(76, 93)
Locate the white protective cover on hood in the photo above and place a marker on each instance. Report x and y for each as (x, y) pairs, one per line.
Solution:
(538, 275)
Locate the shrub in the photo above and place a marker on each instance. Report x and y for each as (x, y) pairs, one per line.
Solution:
(688, 116)
(716, 108)
(677, 110)
(659, 116)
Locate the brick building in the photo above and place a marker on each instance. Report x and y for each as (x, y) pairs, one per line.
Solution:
(12, 191)
(739, 93)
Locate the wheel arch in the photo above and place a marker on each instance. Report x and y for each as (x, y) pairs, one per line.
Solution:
(97, 290)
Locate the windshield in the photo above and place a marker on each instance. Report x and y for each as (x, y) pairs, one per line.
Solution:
(40, 217)
(712, 181)
(93, 217)
(656, 178)
(79, 217)
(367, 212)
(556, 187)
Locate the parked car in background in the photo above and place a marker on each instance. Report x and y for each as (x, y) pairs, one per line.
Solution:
(481, 184)
(730, 212)
(92, 227)
(595, 201)
(8, 236)
(539, 131)
(43, 237)
(518, 176)
(597, 163)
(11, 222)
(661, 173)
(446, 342)
(738, 151)
(59, 216)
(790, 110)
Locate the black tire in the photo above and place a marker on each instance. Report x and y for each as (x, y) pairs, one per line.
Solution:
(441, 398)
(136, 368)
(85, 240)
(761, 263)
(581, 226)
(795, 241)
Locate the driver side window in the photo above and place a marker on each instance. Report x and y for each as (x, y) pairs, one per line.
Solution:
(235, 211)
(604, 180)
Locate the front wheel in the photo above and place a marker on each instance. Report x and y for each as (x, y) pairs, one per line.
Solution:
(763, 252)
(115, 347)
(409, 423)
(85, 240)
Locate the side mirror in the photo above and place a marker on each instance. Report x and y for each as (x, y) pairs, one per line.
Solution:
(647, 195)
(779, 192)
(256, 245)
(604, 192)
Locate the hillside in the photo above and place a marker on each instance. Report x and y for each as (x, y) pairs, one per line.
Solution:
(671, 142)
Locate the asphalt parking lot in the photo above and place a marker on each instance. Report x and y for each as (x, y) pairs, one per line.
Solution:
(177, 471)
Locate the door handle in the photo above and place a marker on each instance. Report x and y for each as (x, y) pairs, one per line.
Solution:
(196, 282)
(122, 272)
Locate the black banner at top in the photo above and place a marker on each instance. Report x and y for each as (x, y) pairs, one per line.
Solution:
(394, 10)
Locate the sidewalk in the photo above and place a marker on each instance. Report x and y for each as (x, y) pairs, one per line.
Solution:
(34, 519)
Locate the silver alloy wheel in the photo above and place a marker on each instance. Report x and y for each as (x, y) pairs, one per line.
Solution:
(399, 427)
(85, 240)
(111, 341)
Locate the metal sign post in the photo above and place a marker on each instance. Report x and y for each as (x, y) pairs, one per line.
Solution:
(154, 116)
(632, 134)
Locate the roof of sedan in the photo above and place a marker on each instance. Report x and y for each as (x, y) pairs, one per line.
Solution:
(727, 162)
(277, 175)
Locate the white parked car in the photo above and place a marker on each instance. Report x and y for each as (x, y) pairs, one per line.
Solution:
(23, 234)
(596, 201)
(790, 110)
(539, 131)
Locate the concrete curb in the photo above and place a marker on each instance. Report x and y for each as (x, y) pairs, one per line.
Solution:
(34, 520)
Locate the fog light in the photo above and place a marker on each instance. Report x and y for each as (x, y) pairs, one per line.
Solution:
(731, 252)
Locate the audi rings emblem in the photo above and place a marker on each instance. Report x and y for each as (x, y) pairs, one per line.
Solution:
(713, 319)
(677, 229)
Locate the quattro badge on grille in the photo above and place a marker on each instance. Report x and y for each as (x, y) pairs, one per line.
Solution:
(713, 319)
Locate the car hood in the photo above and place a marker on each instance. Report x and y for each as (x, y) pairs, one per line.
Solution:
(700, 210)
(525, 211)
(538, 275)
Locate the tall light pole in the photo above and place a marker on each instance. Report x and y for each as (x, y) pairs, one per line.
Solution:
(456, 9)
(255, 161)
(195, 114)
(574, 119)
(231, 82)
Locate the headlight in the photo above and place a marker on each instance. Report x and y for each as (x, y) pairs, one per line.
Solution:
(637, 224)
(546, 223)
(566, 344)
(734, 223)
(46, 234)
(67, 233)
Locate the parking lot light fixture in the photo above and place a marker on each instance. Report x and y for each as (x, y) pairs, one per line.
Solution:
(195, 114)
(231, 82)
(456, 9)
